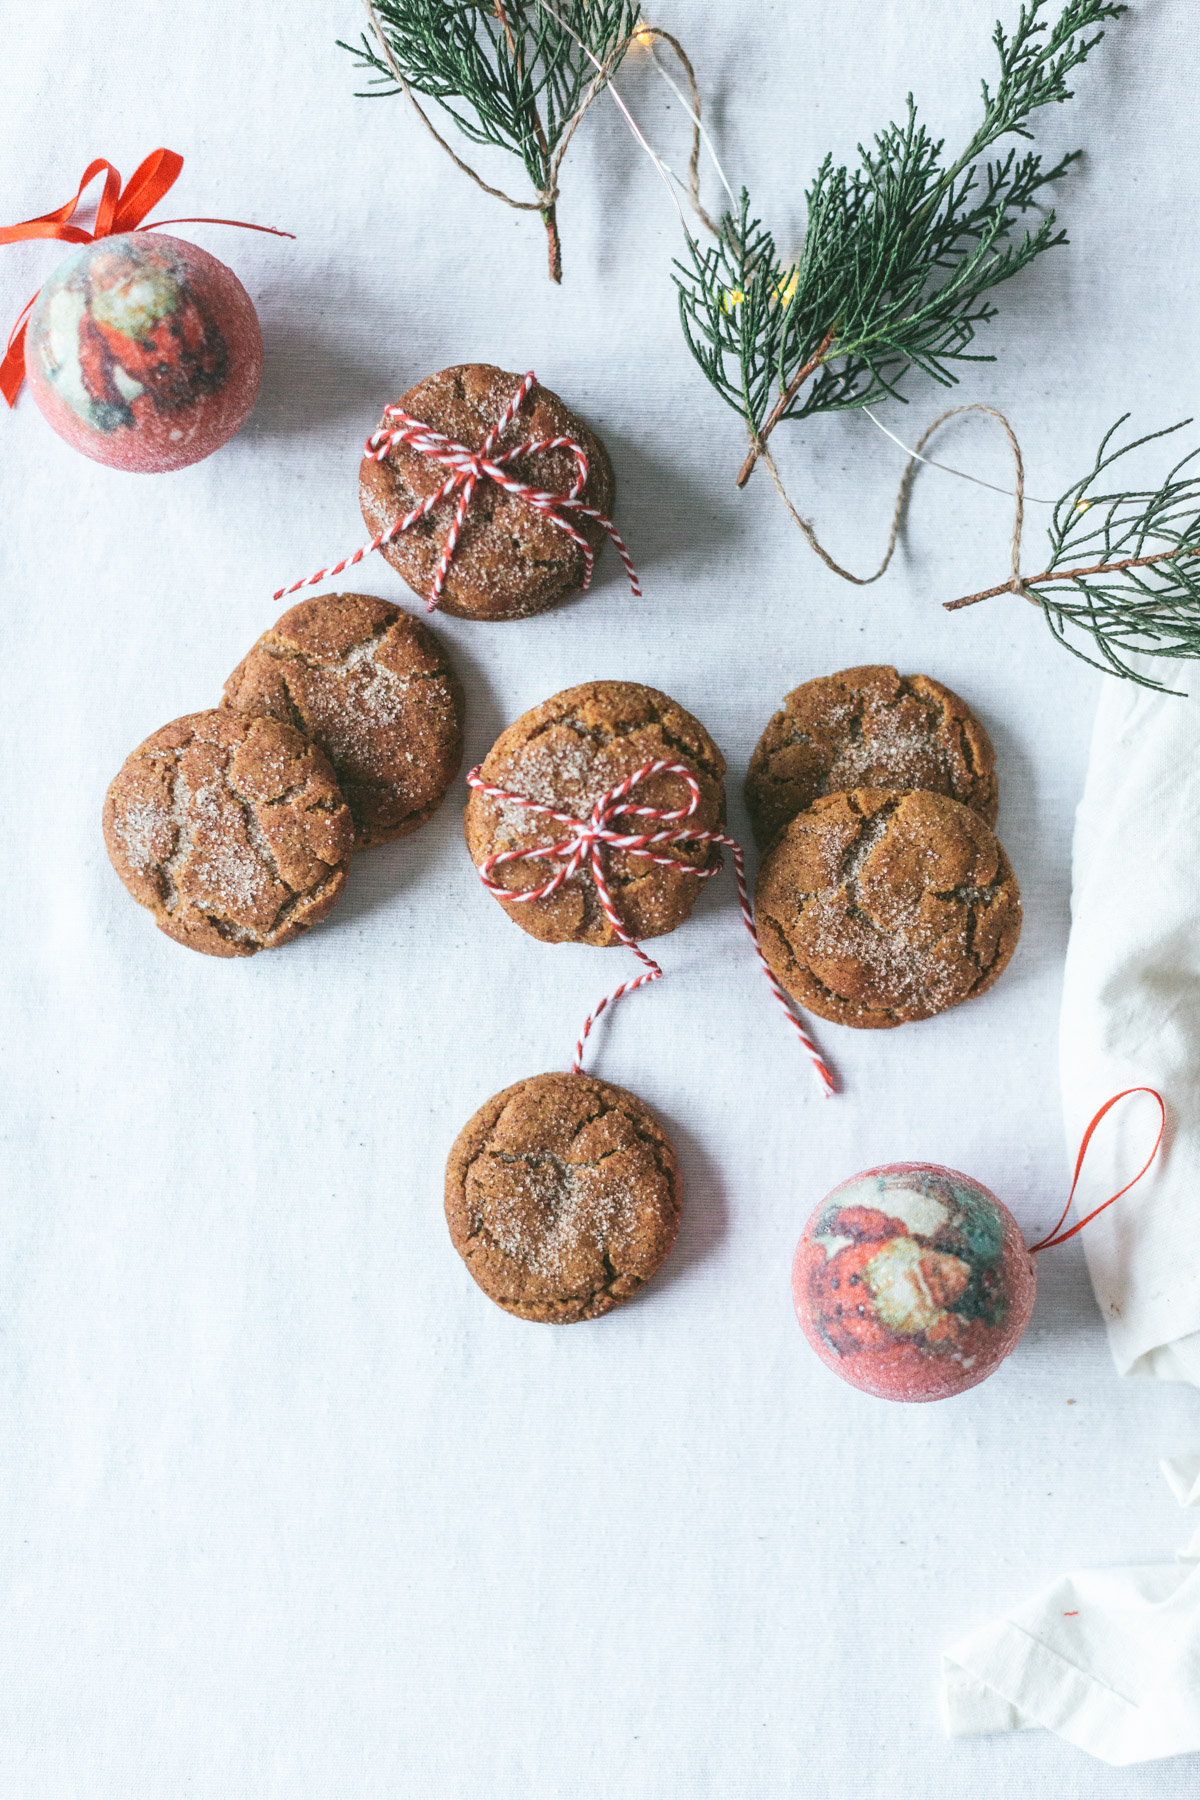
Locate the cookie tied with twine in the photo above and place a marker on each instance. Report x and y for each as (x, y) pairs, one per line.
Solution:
(552, 833)
(487, 494)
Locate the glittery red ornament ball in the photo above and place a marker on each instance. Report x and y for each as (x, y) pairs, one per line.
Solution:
(144, 352)
(912, 1282)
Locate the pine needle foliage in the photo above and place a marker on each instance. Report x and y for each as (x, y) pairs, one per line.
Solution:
(900, 255)
(1124, 566)
(512, 74)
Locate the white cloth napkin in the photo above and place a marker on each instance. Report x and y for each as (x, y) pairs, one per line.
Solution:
(1107, 1658)
(1131, 1015)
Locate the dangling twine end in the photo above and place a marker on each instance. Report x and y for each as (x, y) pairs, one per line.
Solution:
(608, 827)
(1057, 1235)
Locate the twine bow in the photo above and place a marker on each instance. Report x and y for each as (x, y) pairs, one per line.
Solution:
(120, 209)
(466, 469)
(608, 828)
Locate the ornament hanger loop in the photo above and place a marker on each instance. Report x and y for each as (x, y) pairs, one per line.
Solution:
(1057, 1236)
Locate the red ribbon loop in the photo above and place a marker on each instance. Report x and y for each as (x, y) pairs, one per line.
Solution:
(466, 468)
(1055, 1237)
(587, 844)
(120, 209)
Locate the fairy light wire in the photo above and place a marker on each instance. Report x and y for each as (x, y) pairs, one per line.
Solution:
(668, 176)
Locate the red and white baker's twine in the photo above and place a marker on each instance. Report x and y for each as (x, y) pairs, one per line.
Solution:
(587, 844)
(467, 468)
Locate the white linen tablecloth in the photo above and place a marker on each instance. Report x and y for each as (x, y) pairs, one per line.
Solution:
(287, 1508)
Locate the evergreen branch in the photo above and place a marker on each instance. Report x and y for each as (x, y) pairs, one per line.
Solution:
(900, 254)
(1128, 597)
(511, 74)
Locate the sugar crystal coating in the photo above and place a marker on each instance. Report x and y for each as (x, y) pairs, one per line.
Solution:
(230, 830)
(868, 727)
(375, 690)
(876, 908)
(563, 1197)
(567, 753)
(510, 560)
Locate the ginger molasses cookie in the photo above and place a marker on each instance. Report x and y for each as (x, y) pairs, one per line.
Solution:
(563, 1197)
(875, 908)
(868, 727)
(372, 687)
(231, 830)
(568, 753)
(510, 560)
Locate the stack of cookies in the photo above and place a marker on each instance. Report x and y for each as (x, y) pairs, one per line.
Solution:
(341, 729)
(883, 895)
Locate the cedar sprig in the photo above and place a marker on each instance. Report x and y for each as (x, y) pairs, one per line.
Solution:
(511, 74)
(900, 254)
(1124, 567)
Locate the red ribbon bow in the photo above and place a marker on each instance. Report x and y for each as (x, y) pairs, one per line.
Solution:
(120, 209)
(587, 844)
(467, 468)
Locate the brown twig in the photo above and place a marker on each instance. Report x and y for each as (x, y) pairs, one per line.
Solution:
(1028, 581)
(549, 210)
(546, 202)
(759, 441)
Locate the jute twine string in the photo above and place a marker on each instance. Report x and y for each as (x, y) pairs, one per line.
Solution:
(1015, 584)
(546, 197)
(758, 444)
(616, 823)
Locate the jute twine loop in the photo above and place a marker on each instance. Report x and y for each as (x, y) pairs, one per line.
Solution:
(1015, 584)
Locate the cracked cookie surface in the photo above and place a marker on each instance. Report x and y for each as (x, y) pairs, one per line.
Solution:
(231, 830)
(371, 687)
(868, 727)
(563, 1197)
(568, 752)
(876, 908)
(510, 560)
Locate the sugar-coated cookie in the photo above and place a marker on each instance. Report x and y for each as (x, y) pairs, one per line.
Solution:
(510, 561)
(373, 688)
(566, 754)
(562, 1197)
(876, 908)
(231, 830)
(868, 727)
